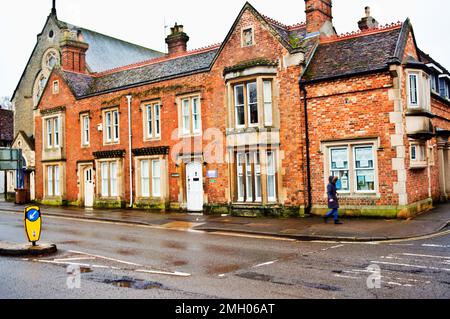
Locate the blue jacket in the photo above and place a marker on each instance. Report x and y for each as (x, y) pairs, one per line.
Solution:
(333, 201)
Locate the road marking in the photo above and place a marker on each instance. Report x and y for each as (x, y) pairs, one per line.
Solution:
(347, 277)
(435, 246)
(426, 256)
(222, 233)
(60, 263)
(75, 259)
(265, 264)
(408, 265)
(107, 258)
(157, 272)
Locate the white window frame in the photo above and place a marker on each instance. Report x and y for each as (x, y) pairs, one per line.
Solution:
(237, 106)
(156, 177)
(151, 177)
(55, 87)
(351, 146)
(240, 163)
(348, 169)
(186, 116)
(410, 102)
(85, 130)
(152, 121)
(145, 178)
(421, 154)
(111, 188)
(112, 129)
(355, 169)
(268, 102)
(53, 180)
(249, 109)
(53, 132)
(274, 175)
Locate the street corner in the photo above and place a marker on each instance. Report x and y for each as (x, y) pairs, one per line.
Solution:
(19, 250)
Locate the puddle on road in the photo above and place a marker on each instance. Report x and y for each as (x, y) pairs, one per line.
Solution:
(274, 280)
(132, 283)
(222, 269)
(174, 245)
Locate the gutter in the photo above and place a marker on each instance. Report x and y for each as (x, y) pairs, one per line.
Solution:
(129, 97)
(308, 156)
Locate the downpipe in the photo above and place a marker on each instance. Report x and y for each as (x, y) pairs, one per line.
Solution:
(129, 97)
(307, 142)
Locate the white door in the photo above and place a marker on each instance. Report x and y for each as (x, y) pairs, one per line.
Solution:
(88, 187)
(194, 184)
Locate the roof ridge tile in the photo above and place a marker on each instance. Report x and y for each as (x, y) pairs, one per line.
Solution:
(359, 33)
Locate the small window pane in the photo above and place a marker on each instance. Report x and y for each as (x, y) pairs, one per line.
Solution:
(413, 89)
(156, 175)
(253, 102)
(114, 179)
(339, 158)
(49, 133)
(105, 179)
(186, 116)
(56, 181)
(268, 103)
(149, 121)
(108, 127)
(239, 102)
(196, 114)
(364, 157)
(365, 180)
(116, 125)
(271, 182)
(50, 180)
(157, 120)
(56, 129)
(145, 179)
(240, 176)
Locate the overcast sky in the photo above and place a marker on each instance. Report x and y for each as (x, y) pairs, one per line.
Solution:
(206, 22)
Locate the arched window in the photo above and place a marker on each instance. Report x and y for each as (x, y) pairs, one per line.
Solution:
(39, 86)
(50, 59)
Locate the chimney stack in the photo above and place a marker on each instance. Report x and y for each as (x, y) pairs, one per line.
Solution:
(73, 52)
(177, 40)
(319, 17)
(368, 22)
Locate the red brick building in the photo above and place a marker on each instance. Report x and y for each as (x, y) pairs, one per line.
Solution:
(253, 125)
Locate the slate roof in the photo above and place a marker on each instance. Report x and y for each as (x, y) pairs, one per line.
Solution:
(85, 85)
(106, 53)
(353, 55)
(425, 58)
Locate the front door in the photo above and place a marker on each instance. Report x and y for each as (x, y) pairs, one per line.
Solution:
(88, 187)
(194, 187)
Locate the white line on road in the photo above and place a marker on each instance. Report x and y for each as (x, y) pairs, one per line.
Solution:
(408, 265)
(435, 246)
(156, 272)
(347, 277)
(265, 264)
(107, 258)
(75, 259)
(426, 256)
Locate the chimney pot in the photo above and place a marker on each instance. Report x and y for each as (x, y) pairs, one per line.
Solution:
(319, 17)
(177, 40)
(368, 22)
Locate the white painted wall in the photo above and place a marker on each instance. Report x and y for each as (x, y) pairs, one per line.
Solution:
(2, 183)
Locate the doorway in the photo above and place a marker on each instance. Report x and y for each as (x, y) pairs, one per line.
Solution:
(194, 187)
(88, 187)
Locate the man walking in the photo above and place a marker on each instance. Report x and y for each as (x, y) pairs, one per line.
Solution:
(333, 201)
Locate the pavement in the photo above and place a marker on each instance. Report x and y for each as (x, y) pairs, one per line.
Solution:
(309, 228)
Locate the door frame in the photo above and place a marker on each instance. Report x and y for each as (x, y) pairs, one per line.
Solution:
(82, 167)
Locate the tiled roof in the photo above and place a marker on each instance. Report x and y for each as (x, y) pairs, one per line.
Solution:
(152, 71)
(107, 53)
(428, 59)
(355, 54)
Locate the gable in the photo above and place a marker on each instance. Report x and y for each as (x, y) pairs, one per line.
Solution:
(64, 95)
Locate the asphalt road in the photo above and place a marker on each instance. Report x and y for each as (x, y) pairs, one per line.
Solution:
(123, 261)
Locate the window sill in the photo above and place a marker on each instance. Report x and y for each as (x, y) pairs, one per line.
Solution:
(418, 166)
(152, 139)
(111, 143)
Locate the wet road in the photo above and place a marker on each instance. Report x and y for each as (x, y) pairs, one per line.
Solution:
(163, 263)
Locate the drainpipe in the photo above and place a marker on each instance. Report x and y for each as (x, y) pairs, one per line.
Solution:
(308, 157)
(129, 97)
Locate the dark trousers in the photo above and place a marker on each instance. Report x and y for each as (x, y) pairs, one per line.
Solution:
(335, 213)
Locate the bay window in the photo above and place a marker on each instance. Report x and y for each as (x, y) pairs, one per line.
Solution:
(247, 110)
(249, 187)
(418, 155)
